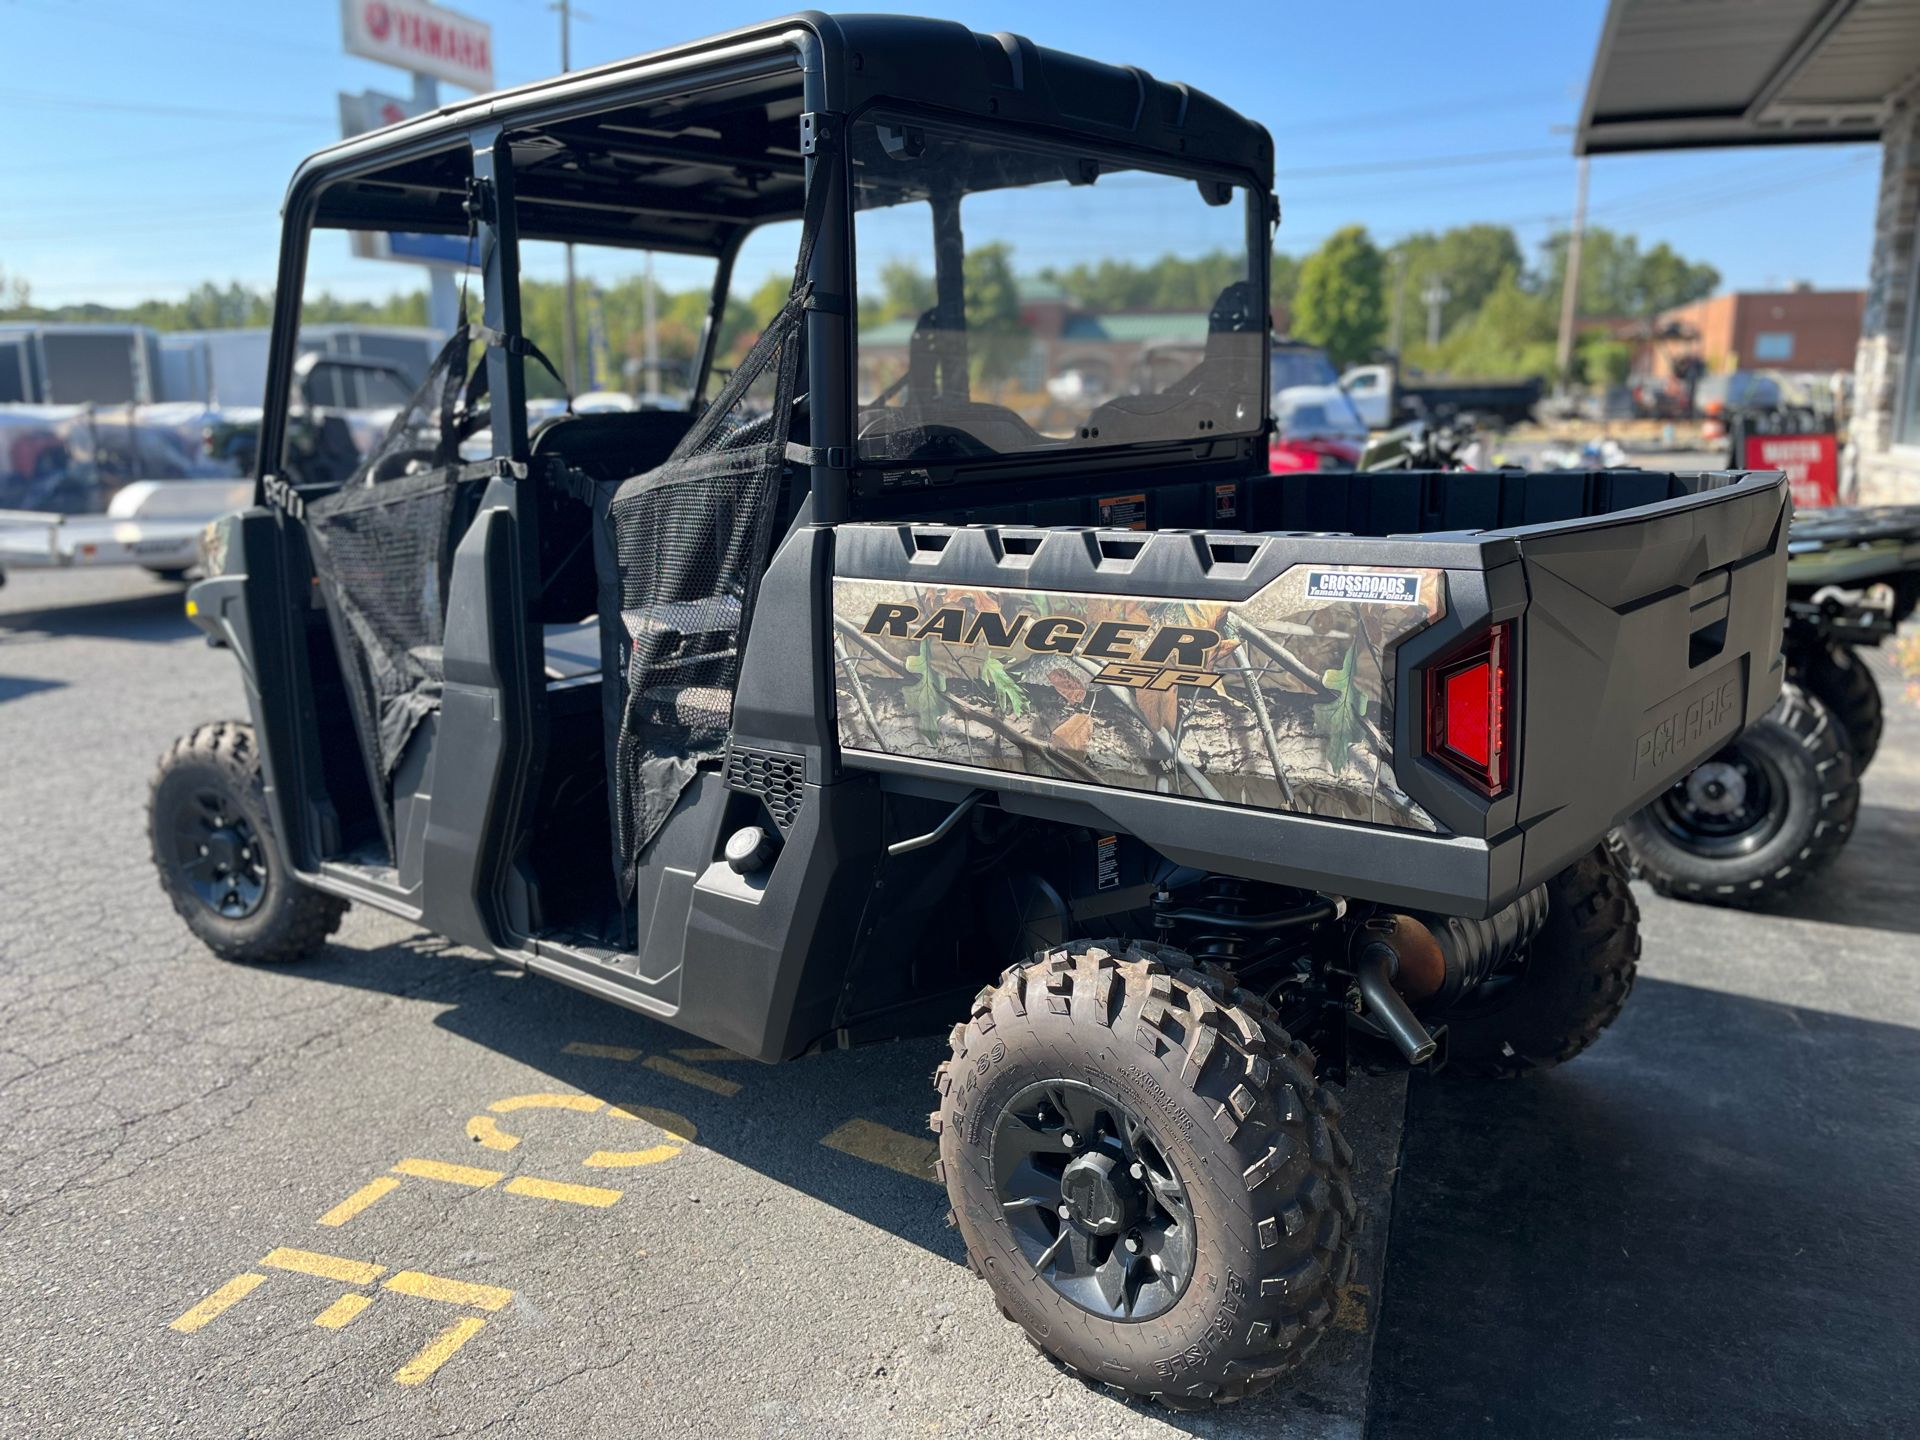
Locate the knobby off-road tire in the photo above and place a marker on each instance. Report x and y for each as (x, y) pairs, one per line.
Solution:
(1227, 1102)
(219, 860)
(1837, 677)
(1571, 985)
(1798, 800)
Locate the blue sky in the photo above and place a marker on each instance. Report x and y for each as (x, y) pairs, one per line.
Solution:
(149, 145)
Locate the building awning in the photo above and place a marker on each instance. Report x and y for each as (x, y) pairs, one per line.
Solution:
(1682, 74)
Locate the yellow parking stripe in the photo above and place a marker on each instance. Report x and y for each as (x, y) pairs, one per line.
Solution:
(688, 1075)
(710, 1053)
(585, 1104)
(438, 1351)
(366, 1195)
(487, 1131)
(327, 1267)
(560, 1190)
(219, 1302)
(468, 1175)
(601, 1052)
(879, 1145)
(342, 1310)
(423, 1286)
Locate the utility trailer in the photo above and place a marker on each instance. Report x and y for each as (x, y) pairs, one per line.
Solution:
(1776, 807)
(912, 696)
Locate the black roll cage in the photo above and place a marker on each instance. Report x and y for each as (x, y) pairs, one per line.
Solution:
(845, 67)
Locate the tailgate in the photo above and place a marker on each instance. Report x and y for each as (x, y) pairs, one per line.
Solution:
(1651, 638)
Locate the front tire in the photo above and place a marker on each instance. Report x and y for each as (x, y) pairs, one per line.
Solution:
(1571, 984)
(1209, 1211)
(1765, 814)
(220, 862)
(1835, 676)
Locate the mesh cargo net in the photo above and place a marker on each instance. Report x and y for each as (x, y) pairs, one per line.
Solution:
(690, 539)
(381, 546)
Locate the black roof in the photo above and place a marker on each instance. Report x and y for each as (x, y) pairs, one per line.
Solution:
(849, 61)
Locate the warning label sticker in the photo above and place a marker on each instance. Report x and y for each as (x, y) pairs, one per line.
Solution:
(1382, 587)
(1124, 512)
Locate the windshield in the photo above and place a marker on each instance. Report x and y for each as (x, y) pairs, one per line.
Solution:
(1293, 367)
(1018, 299)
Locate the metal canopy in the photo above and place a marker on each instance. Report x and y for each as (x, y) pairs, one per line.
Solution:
(1680, 74)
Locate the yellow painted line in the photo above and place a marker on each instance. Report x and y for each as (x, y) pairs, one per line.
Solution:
(879, 1145)
(560, 1190)
(423, 1286)
(585, 1104)
(438, 1351)
(710, 1054)
(691, 1076)
(676, 1125)
(327, 1267)
(342, 1310)
(484, 1129)
(1350, 1311)
(601, 1052)
(468, 1175)
(219, 1302)
(366, 1195)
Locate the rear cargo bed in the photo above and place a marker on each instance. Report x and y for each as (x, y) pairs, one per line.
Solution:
(1644, 613)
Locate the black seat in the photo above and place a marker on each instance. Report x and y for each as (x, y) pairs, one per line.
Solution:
(613, 445)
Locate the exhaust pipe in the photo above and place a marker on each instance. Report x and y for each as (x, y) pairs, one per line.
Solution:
(1373, 972)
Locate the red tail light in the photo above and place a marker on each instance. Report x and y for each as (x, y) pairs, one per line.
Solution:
(1468, 711)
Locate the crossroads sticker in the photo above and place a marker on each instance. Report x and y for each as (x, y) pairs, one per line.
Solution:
(1380, 587)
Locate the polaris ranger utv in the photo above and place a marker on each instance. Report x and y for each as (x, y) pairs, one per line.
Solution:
(919, 689)
(1776, 807)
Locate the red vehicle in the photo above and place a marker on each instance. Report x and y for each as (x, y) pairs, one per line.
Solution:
(1315, 426)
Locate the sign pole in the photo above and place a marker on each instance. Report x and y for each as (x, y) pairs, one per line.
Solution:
(443, 291)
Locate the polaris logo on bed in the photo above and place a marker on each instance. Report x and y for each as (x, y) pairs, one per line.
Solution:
(1382, 587)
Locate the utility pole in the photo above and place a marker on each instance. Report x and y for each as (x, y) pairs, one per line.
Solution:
(1399, 300)
(1434, 297)
(1570, 286)
(651, 329)
(570, 337)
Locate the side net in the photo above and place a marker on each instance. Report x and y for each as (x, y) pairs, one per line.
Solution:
(381, 548)
(690, 539)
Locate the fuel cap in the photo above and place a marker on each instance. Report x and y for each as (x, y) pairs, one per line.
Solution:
(748, 849)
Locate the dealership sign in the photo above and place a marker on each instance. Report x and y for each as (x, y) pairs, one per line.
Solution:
(1811, 463)
(422, 38)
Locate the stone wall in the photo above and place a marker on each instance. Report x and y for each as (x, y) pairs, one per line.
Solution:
(1883, 474)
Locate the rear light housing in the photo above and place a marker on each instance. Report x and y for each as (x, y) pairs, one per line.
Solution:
(1469, 706)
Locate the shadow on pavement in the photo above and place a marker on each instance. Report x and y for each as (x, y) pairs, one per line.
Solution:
(1862, 888)
(159, 616)
(16, 687)
(1707, 1227)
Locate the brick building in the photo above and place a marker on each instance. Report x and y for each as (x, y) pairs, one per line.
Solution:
(1799, 330)
(1689, 74)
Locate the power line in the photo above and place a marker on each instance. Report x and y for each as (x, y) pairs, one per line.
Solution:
(185, 112)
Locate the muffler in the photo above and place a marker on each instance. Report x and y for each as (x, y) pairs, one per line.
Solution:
(1374, 972)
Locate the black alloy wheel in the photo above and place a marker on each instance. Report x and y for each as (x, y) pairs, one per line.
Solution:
(1092, 1200)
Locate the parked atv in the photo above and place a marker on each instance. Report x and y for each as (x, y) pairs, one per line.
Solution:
(878, 692)
(1773, 809)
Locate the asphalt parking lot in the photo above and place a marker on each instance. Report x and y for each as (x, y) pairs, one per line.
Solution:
(399, 1190)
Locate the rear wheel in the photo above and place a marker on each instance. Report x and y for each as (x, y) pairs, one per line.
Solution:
(1145, 1171)
(219, 860)
(1570, 984)
(1835, 676)
(1762, 816)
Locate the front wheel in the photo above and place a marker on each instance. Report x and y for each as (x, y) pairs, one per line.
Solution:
(219, 860)
(1836, 677)
(1763, 815)
(1145, 1171)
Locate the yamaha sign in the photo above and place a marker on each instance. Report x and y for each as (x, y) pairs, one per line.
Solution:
(425, 39)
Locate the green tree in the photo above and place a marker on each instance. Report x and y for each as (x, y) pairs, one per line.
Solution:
(1471, 261)
(1341, 300)
(1617, 278)
(1512, 334)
